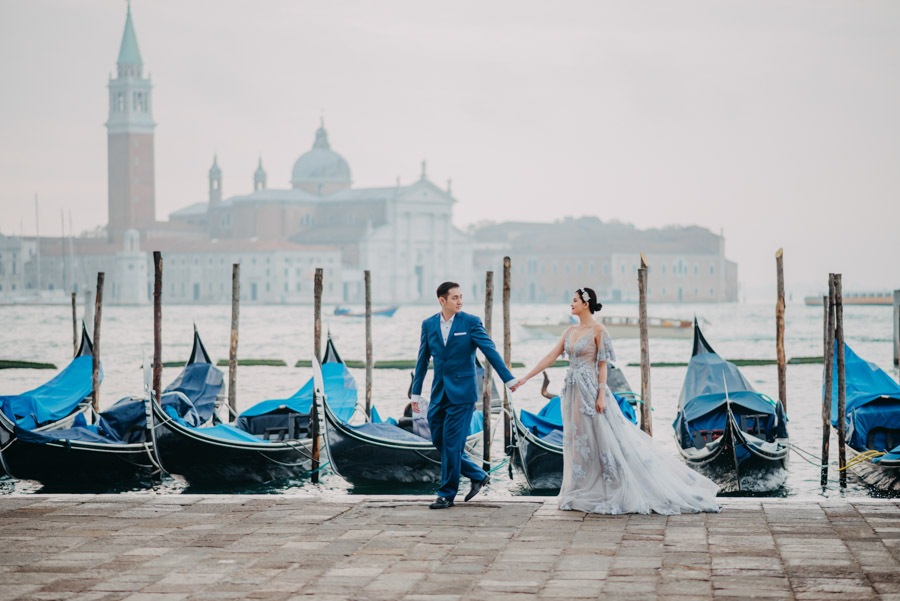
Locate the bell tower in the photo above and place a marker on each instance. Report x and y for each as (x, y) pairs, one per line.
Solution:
(131, 181)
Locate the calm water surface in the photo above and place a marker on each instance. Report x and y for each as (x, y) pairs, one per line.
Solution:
(742, 331)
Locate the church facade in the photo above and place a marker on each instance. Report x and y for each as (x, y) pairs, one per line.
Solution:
(403, 234)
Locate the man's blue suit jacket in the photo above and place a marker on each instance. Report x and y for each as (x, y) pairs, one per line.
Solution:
(454, 364)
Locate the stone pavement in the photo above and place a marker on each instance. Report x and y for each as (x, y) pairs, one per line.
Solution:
(168, 548)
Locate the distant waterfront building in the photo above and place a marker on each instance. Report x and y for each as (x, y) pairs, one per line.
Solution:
(403, 234)
(552, 260)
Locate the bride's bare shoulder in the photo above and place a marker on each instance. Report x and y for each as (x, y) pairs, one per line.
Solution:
(599, 329)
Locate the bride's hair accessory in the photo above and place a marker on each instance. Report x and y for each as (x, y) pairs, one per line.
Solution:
(587, 295)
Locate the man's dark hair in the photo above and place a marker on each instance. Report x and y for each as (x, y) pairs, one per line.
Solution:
(444, 289)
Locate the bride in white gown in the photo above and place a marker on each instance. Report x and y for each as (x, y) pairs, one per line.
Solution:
(609, 464)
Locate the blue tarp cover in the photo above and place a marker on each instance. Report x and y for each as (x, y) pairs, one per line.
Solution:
(229, 432)
(201, 382)
(124, 422)
(53, 400)
(555, 438)
(701, 405)
(549, 418)
(872, 400)
(340, 389)
(339, 386)
(894, 455)
(390, 430)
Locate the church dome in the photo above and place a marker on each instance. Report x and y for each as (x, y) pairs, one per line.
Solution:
(321, 165)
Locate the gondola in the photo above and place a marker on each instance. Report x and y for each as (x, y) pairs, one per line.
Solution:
(55, 404)
(118, 447)
(872, 421)
(269, 441)
(381, 452)
(725, 429)
(537, 445)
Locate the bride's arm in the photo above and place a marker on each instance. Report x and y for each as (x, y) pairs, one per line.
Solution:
(602, 373)
(544, 363)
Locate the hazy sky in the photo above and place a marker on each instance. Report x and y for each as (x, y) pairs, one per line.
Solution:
(778, 122)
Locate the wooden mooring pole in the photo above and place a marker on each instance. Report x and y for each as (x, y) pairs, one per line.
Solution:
(646, 416)
(779, 331)
(157, 325)
(233, 340)
(486, 388)
(74, 325)
(828, 378)
(369, 363)
(317, 349)
(95, 374)
(507, 349)
(842, 380)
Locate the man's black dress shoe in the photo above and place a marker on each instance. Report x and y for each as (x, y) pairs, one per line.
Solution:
(476, 487)
(441, 503)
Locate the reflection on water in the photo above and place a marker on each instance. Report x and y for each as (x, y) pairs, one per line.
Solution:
(740, 331)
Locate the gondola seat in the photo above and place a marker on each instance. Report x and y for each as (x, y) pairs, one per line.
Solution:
(702, 438)
(284, 424)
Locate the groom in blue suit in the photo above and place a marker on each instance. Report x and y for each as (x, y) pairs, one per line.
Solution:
(451, 337)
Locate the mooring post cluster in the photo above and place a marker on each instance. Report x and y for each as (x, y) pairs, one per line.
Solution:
(834, 362)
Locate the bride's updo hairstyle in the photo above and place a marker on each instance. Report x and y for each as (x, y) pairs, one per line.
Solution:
(587, 295)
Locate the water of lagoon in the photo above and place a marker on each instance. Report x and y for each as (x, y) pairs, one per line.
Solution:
(741, 330)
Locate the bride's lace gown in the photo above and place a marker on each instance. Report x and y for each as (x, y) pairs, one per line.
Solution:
(610, 465)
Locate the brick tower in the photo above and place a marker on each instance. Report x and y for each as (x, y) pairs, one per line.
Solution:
(132, 195)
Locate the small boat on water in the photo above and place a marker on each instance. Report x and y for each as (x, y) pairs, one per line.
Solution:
(620, 326)
(118, 447)
(537, 445)
(724, 428)
(385, 312)
(269, 441)
(872, 422)
(380, 451)
(856, 298)
(56, 403)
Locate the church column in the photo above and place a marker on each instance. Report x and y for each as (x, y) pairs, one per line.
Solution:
(395, 264)
(447, 244)
(409, 276)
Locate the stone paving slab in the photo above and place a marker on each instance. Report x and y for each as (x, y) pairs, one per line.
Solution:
(185, 547)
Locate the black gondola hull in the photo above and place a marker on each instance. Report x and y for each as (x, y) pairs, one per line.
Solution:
(731, 463)
(361, 459)
(78, 465)
(209, 462)
(884, 475)
(542, 464)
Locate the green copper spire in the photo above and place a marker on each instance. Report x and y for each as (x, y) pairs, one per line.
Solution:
(128, 51)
